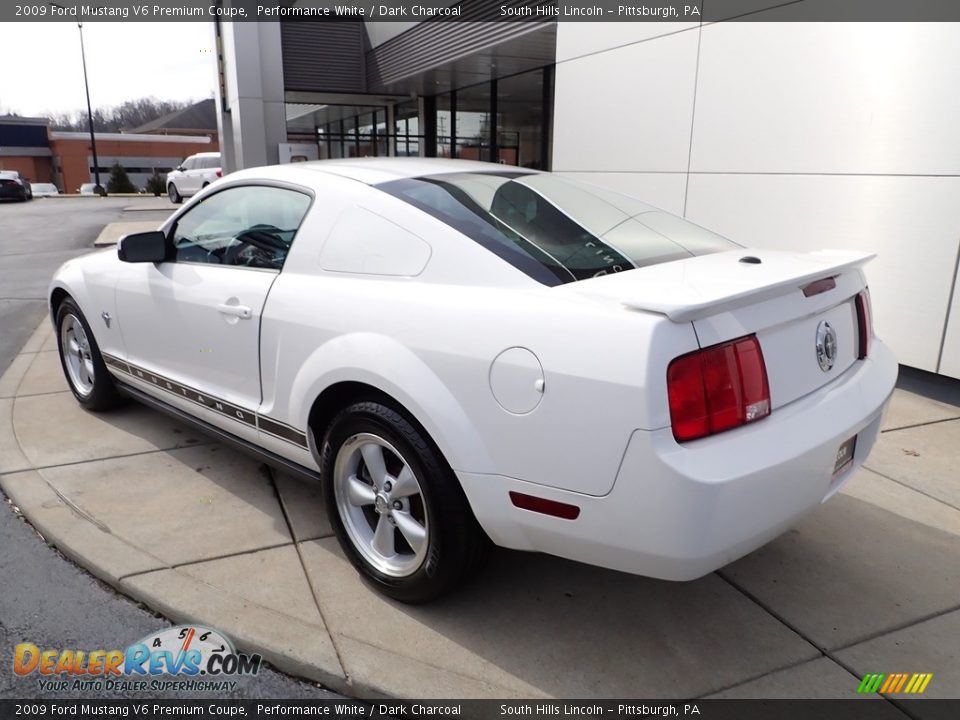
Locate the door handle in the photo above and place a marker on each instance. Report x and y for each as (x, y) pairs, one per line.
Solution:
(240, 311)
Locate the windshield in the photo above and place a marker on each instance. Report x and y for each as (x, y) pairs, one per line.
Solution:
(553, 229)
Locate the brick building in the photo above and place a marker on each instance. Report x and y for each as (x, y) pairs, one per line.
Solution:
(139, 154)
(40, 154)
(25, 147)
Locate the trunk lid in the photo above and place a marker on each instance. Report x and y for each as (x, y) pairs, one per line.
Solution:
(727, 297)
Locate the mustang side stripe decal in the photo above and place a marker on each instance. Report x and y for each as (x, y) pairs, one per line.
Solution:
(282, 431)
(268, 425)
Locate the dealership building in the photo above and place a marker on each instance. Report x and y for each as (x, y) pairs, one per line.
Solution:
(779, 135)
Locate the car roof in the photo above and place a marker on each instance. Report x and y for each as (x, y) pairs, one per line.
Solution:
(372, 171)
(206, 154)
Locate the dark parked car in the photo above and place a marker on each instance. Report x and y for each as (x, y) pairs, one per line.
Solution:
(13, 186)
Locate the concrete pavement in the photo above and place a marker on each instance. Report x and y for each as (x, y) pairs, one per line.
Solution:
(112, 233)
(49, 601)
(45, 598)
(868, 583)
(37, 237)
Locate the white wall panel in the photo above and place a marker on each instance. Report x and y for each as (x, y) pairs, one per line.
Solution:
(950, 363)
(664, 190)
(628, 109)
(911, 223)
(575, 39)
(828, 98)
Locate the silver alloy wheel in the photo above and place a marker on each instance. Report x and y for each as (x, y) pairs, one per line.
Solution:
(76, 354)
(381, 505)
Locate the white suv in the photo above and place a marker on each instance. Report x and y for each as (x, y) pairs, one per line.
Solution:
(196, 172)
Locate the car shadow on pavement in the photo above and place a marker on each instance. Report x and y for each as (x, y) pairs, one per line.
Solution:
(536, 624)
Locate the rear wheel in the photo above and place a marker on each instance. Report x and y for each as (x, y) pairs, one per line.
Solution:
(174, 194)
(82, 362)
(396, 506)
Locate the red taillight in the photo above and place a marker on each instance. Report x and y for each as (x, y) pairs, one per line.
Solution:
(717, 388)
(219, 173)
(864, 322)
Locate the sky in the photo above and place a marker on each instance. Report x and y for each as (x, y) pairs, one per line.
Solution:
(125, 61)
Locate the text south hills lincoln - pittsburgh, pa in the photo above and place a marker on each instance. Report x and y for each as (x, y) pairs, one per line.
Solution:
(549, 9)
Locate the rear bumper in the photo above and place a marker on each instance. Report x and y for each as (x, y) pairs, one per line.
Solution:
(13, 192)
(678, 512)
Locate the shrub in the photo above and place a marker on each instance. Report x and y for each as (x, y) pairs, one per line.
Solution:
(156, 184)
(119, 181)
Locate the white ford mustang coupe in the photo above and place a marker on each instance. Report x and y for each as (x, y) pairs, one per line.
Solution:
(462, 352)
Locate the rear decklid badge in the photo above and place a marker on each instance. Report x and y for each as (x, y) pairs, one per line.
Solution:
(826, 345)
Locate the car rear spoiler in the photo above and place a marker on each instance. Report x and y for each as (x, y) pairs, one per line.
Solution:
(699, 287)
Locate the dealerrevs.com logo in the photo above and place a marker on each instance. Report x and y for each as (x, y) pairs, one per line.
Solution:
(181, 658)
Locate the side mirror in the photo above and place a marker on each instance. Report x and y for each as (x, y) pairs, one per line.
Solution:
(143, 247)
(180, 168)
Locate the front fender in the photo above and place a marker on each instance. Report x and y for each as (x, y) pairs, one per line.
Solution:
(91, 281)
(399, 372)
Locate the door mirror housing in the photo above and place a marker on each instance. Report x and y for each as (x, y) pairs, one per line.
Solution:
(180, 168)
(143, 247)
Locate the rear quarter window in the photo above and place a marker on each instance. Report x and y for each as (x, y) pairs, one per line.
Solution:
(553, 229)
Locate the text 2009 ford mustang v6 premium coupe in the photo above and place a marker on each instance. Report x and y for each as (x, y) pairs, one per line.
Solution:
(461, 351)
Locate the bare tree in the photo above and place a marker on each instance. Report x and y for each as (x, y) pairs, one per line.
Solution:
(125, 116)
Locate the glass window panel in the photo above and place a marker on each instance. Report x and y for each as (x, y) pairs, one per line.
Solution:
(555, 230)
(249, 226)
(520, 120)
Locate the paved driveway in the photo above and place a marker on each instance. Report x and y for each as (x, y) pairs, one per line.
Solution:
(44, 598)
(36, 237)
(867, 583)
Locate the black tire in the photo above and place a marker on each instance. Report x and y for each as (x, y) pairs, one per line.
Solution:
(455, 542)
(103, 394)
(175, 197)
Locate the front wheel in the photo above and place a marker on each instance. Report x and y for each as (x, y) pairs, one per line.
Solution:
(83, 365)
(174, 194)
(396, 506)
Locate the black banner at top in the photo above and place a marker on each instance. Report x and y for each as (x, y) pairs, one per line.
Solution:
(698, 11)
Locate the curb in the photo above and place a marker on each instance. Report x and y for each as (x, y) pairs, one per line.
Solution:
(85, 542)
(112, 233)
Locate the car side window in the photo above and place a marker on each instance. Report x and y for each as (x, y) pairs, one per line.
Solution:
(250, 226)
